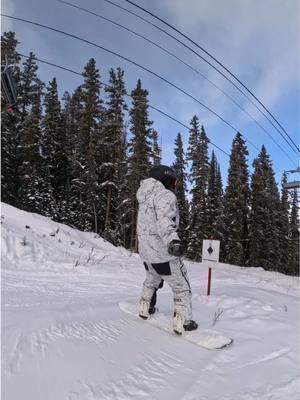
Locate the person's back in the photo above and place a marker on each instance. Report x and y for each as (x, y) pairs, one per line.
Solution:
(160, 247)
(154, 235)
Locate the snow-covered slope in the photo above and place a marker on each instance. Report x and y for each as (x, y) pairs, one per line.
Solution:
(64, 337)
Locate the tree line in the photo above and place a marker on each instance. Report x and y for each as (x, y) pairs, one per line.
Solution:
(79, 160)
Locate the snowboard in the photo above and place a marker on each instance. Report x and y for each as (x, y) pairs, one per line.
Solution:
(207, 338)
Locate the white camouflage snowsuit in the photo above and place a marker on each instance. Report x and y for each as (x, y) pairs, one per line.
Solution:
(158, 220)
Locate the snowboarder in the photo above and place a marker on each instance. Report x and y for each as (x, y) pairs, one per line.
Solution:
(160, 247)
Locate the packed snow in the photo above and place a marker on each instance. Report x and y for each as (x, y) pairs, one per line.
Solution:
(64, 336)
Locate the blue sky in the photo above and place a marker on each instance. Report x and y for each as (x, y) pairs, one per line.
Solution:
(258, 40)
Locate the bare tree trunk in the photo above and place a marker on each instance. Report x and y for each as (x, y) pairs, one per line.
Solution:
(95, 217)
(108, 204)
(132, 233)
(134, 242)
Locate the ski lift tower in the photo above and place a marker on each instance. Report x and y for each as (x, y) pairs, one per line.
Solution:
(293, 184)
(8, 87)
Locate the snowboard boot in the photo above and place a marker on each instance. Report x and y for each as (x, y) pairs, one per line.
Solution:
(144, 308)
(178, 323)
(152, 310)
(190, 325)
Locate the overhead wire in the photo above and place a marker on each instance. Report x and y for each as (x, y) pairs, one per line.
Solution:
(69, 4)
(128, 95)
(216, 60)
(206, 61)
(134, 63)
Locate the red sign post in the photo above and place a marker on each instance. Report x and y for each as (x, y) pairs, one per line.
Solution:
(209, 281)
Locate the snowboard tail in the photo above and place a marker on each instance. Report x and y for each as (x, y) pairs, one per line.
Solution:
(207, 338)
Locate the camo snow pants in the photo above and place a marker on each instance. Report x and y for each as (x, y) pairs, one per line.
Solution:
(175, 274)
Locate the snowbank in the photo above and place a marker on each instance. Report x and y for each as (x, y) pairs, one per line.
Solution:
(64, 337)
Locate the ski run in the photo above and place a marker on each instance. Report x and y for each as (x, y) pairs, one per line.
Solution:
(64, 336)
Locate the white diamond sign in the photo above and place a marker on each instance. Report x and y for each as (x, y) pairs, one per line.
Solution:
(211, 250)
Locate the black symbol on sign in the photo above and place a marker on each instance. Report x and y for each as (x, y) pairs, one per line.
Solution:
(210, 250)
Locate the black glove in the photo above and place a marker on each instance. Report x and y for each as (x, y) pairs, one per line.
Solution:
(175, 248)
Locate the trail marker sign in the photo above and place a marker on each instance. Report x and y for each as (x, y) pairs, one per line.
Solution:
(210, 252)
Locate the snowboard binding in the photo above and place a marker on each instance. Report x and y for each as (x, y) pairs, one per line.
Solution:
(180, 325)
(144, 306)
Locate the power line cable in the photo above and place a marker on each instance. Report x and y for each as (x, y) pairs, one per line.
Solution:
(133, 62)
(177, 58)
(217, 61)
(205, 60)
(138, 65)
(128, 95)
(279, 170)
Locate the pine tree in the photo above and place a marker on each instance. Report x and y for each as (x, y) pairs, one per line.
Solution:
(215, 208)
(265, 206)
(123, 217)
(194, 138)
(179, 167)
(30, 162)
(35, 193)
(156, 150)
(236, 205)
(294, 236)
(140, 150)
(86, 182)
(192, 156)
(91, 213)
(29, 86)
(283, 227)
(198, 155)
(71, 115)
(114, 154)
(54, 147)
(29, 109)
(69, 145)
(91, 140)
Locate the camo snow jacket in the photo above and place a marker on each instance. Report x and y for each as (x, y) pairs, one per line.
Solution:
(158, 220)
